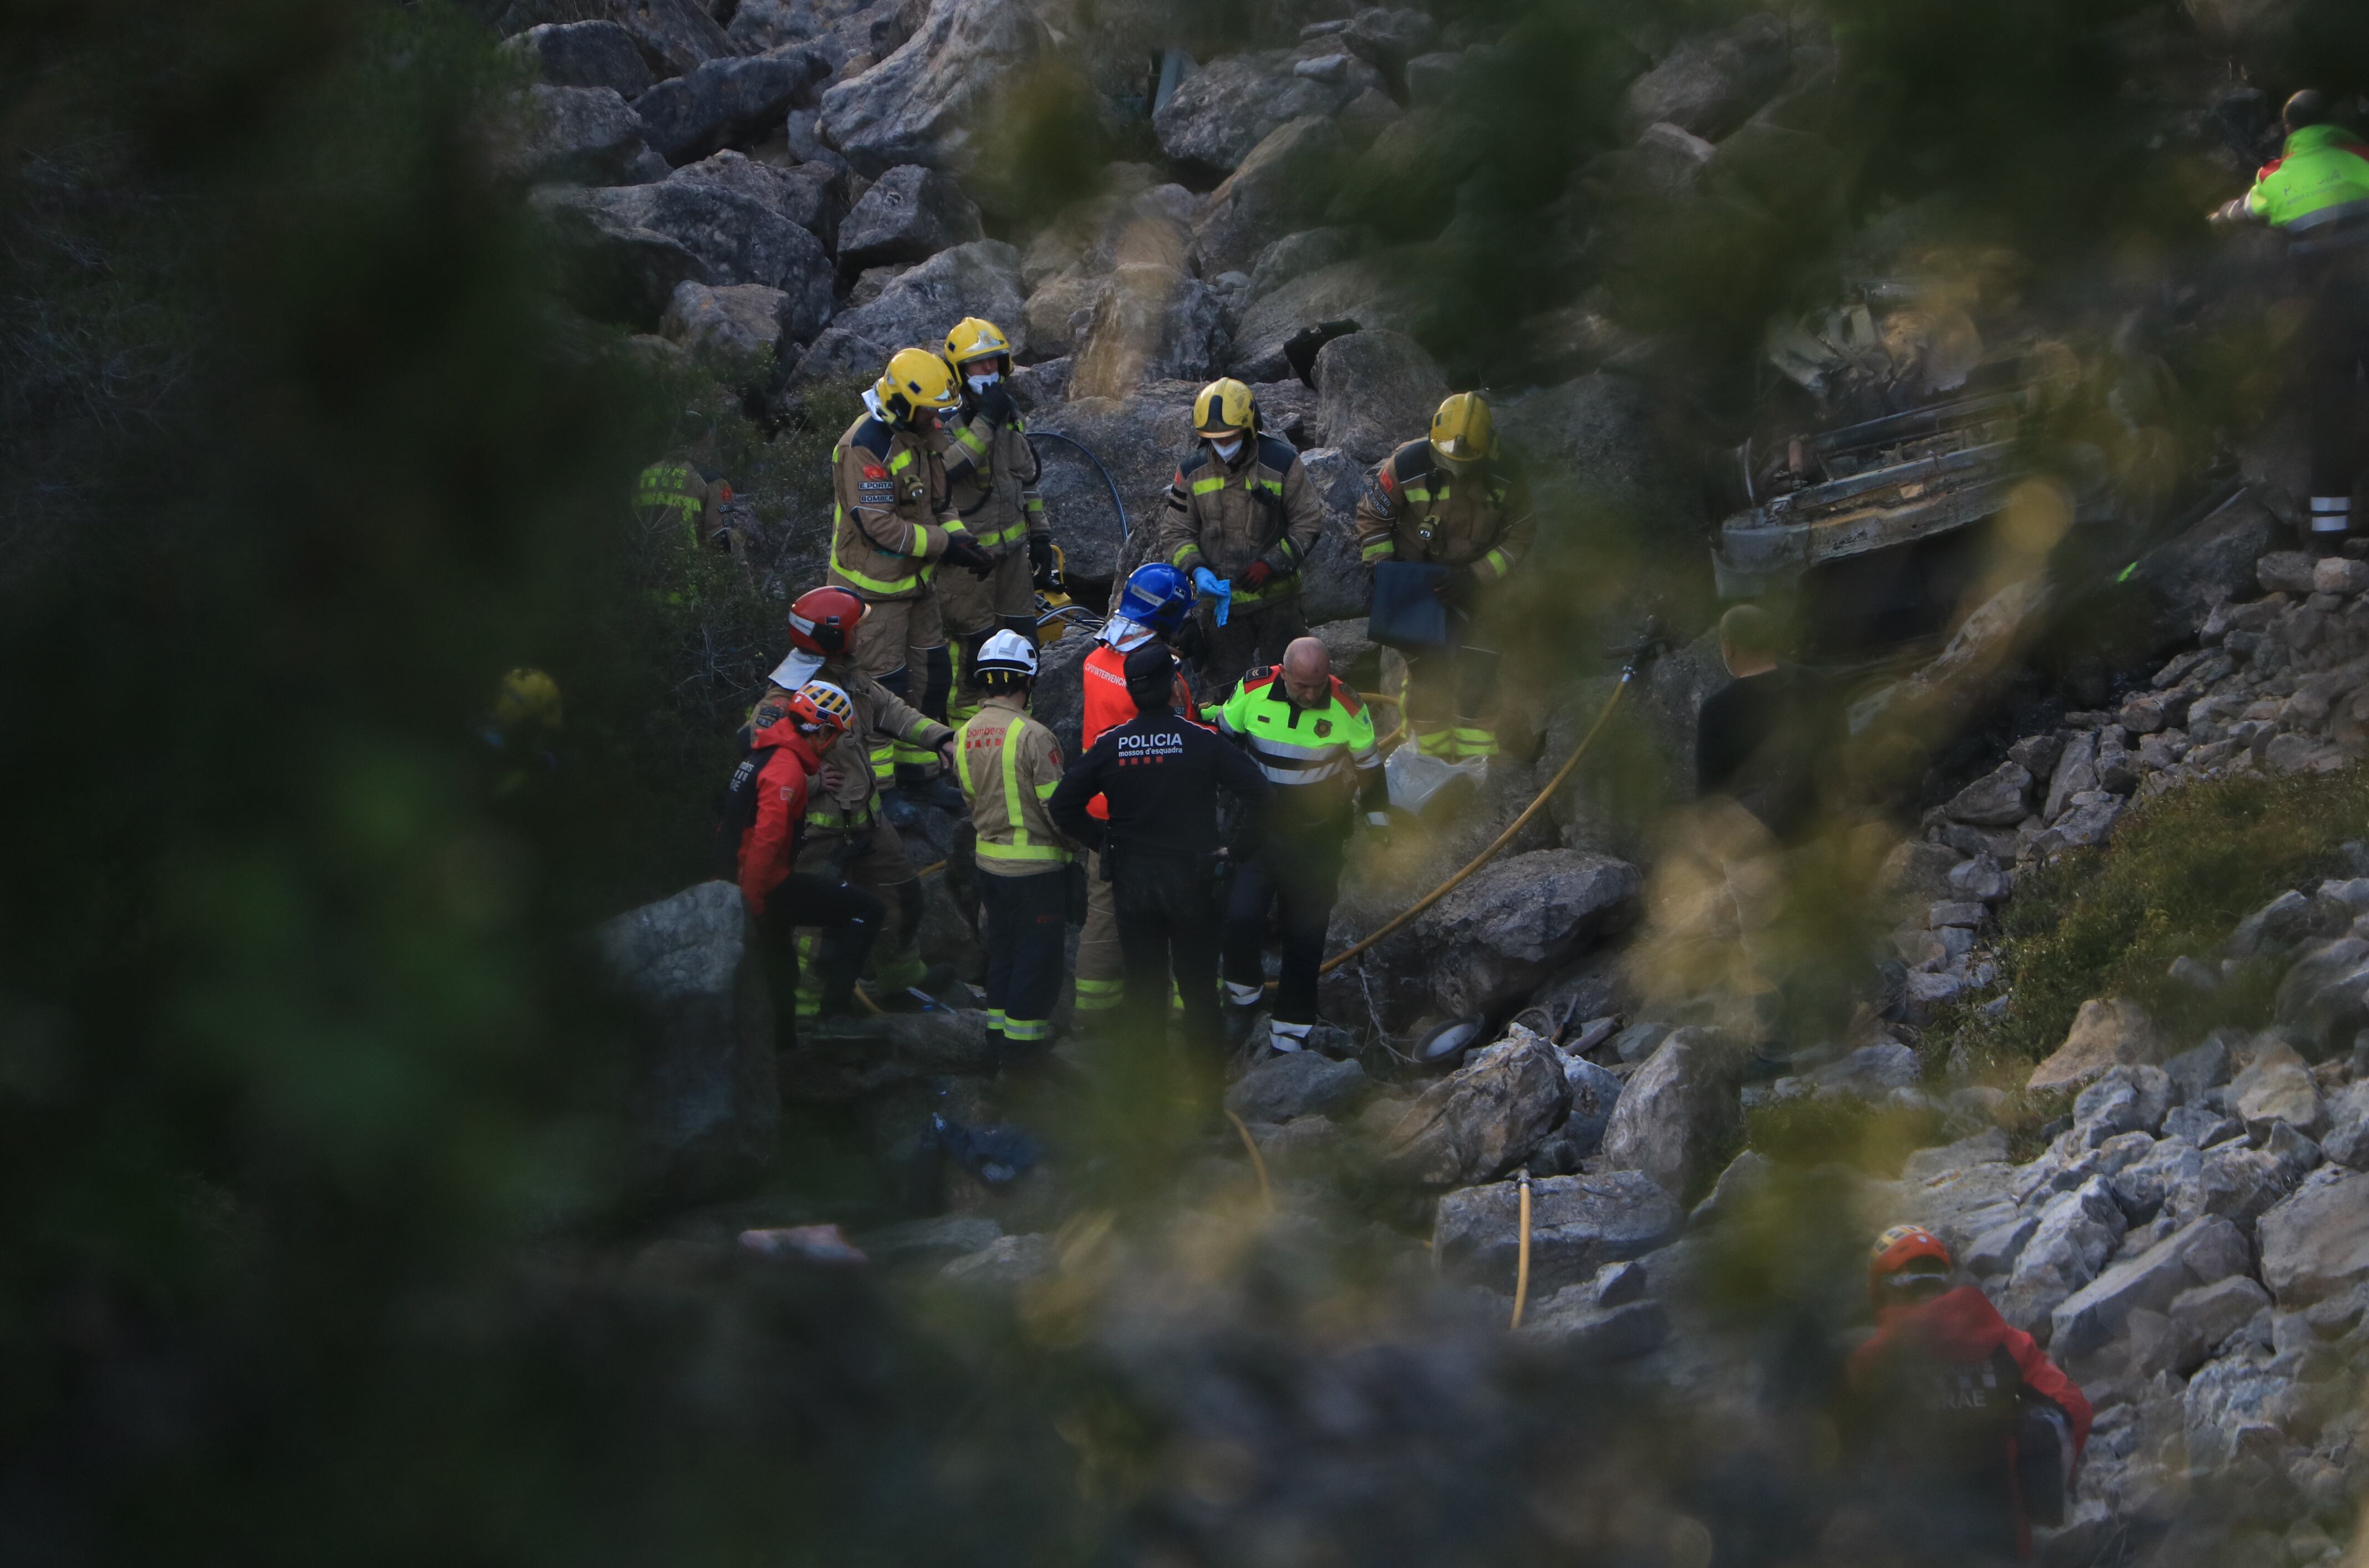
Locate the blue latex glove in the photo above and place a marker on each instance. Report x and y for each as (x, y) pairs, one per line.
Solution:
(1217, 588)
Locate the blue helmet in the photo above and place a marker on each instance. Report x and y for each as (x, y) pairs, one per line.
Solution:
(1157, 596)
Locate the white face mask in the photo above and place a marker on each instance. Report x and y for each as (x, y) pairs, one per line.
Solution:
(1226, 450)
(981, 383)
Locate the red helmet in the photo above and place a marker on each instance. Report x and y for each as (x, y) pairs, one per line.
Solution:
(823, 620)
(1898, 1252)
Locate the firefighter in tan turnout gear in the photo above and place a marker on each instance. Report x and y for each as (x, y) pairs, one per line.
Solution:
(1449, 501)
(846, 832)
(1240, 519)
(1009, 765)
(992, 477)
(893, 522)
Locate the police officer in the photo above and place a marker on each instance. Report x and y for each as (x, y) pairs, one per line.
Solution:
(1314, 741)
(991, 473)
(1161, 776)
(2318, 192)
(1240, 519)
(892, 521)
(1154, 607)
(1010, 765)
(1450, 501)
(757, 842)
(847, 834)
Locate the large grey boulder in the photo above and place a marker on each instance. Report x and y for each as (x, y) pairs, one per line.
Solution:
(579, 135)
(736, 323)
(2322, 997)
(2232, 1403)
(1286, 176)
(1301, 1083)
(674, 36)
(909, 214)
(1595, 438)
(1336, 583)
(1213, 120)
(2077, 1231)
(1390, 38)
(1513, 922)
(1374, 390)
(1678, 1113)
(940, 98)
(2278, 1088)
(1376, 290)
(2316, 1243)
(1482, 1119)
(2126, 1099)
(584, 55)
(2204, 1253)
(1709, 86)
(919, 308)
(1578, 1224)
(2000, 798)
(630, 247)
(2106, 1033)
(1150, 322)
(725, 101)
(812, 196)
(1296, 256)
(705, 1108)
(1140, 439)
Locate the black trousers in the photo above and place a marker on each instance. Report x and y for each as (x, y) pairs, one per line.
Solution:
(851, 919)
(1025, 918)
(1167, 911)
(2336, 341)
(1302, 873)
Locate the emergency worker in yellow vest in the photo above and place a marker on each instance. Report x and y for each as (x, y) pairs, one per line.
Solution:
(1239, 521)
(893, 523)
(1450, 501)
(1009, 765)
(680, 489)
(2317, 193)
(991, 473)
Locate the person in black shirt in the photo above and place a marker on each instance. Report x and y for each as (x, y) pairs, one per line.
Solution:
(1759, 739)
(1161, 776)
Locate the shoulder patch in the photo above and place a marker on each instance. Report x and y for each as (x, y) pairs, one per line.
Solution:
(872, 435)
(1260, 677)
(1346, 697)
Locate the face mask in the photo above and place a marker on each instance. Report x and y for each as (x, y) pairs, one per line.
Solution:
(981, 383)
(1226, 450)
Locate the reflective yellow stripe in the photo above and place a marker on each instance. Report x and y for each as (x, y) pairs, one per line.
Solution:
(1277, 588)
(887, 588)
(901, 462)
(1203, 487)
(971, 443)
(1182, 551)
(1381, 548)
(1027, 1029)
(920, 547)
(1019, 848)
(1411, 493)
(1099, 996)
(1500, 560)
(1045, 791)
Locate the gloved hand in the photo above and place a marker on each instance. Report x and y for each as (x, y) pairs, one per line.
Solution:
(996, 402)
(964, 552)
(1042, 565)
(1208, 582)
(1259, 575)
(2228, 214)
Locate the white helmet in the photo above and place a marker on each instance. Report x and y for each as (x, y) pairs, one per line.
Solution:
(1007, 653)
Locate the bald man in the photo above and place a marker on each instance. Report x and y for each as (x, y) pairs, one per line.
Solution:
(1314, 741)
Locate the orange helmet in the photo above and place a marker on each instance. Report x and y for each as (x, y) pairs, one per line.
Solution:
(1897, 1250)
(823, 620)
(821, 706)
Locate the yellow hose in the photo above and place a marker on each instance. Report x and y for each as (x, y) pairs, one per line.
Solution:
(1267, 1189)
(1507, 837)
(1522, 1258)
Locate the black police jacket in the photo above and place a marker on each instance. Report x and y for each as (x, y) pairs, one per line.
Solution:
(1161, 776)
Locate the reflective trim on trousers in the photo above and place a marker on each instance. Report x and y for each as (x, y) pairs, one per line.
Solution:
(1099, 996)
(1476, 743)
(2331, 514)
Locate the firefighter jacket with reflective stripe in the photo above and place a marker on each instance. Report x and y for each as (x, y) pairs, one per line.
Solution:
(1225, 516)
(890, 514)
(1317, 759)
(1010, 765)
(877, 710)
(991, 477)
(1417, 509)
(673, 490)
(765, 810)
(2318, 191)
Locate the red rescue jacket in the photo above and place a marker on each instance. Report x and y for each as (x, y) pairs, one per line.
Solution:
(1953, 1366)
(767, 804)
(1108, 706)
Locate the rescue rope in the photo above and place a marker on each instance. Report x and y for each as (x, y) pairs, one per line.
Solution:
(1507, 837)
(1266, 1188)
(1522, 1257)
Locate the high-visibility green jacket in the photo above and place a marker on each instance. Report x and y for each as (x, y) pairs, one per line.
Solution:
(2318, 185)
(1316, 759)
